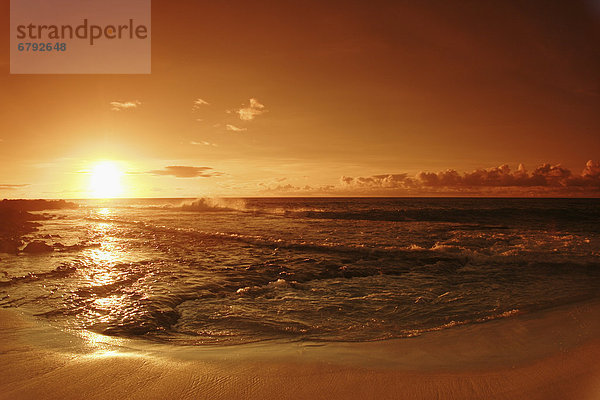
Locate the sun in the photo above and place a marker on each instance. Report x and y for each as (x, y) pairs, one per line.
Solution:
(105, 180)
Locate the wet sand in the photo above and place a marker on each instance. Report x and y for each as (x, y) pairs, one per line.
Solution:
(548, 355)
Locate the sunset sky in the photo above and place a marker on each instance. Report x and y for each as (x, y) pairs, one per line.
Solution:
(322, 98)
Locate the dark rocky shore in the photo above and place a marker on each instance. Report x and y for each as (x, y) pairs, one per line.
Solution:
(16, 221)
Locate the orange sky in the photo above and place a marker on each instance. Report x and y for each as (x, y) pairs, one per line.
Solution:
(322, 98)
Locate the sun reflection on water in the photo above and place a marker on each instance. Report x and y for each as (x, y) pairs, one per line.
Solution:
(105, 256)
(103, 271)
(104, 211)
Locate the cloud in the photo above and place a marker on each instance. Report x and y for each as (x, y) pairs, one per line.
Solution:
(199, 103)
(124, 105)
(234, 128)
(379, 181)
(186, 172)
(590, 176)
(252, 111)
(202, 143)
(11, 187)
(294, 189)
(591, 170)
(288, 188)
(544, 177)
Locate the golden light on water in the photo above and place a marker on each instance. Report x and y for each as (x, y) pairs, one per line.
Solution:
(107, 253)
(105, 180)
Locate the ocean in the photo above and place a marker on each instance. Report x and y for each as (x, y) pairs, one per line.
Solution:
(232, 271)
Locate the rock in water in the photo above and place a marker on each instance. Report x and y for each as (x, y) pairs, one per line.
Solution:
(37, 247)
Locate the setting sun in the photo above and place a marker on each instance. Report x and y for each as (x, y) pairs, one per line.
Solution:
(105, 180)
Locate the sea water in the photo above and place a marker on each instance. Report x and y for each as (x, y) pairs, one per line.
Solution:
(229, 271)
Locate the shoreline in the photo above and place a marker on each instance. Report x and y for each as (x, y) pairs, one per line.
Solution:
(547, 355)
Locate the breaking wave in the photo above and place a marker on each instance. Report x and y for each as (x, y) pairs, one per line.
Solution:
(215, 204)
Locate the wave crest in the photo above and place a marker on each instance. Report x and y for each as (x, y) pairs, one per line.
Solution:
(215, 204)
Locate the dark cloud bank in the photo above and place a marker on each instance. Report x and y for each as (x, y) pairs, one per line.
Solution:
(545, 179)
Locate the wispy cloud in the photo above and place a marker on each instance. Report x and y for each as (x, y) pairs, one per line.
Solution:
(180, 171)
(11, 186)
(199, 103)
(124, 105)
(234, 128)
(251, 111)
(202, 143)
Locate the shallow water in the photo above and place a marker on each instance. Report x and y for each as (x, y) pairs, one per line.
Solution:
(240, 270)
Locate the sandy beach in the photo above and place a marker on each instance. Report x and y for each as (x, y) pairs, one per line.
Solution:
(548, 355)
